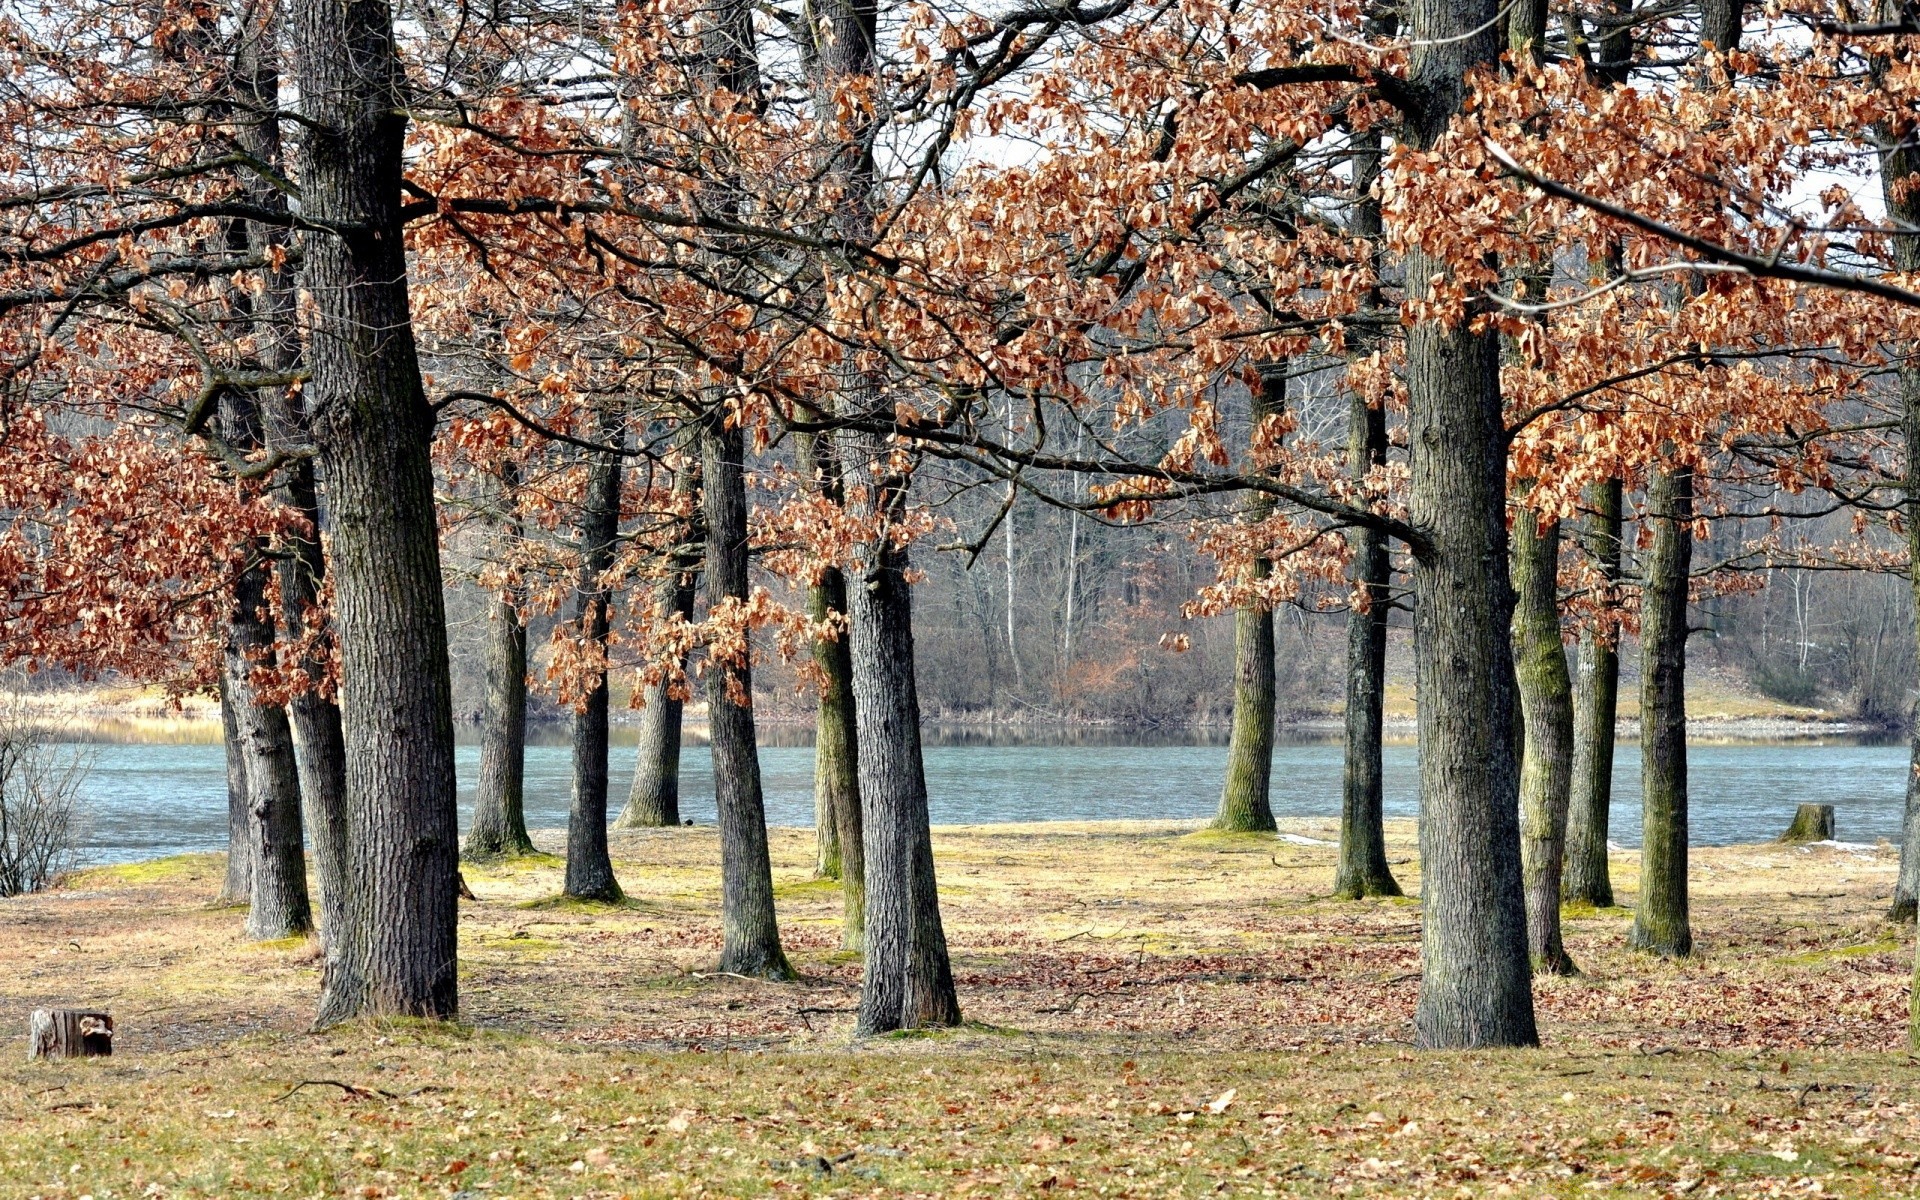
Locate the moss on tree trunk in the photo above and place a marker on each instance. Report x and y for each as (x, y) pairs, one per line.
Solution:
(1596, 702)
(1546, 702)
(1660, 922)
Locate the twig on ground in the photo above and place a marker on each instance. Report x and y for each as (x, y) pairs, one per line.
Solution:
(1068, 1007)
(353, 1090)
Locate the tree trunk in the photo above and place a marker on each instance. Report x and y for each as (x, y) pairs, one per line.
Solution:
(836, 761)
(1660, 923)
(1363, 869)
(1546, 704)
(499, 808)
(237, 888)
(1899, 166)
(373, 426)
(1245, 806)
(1811, 823)
(750, 934)
(278, 905)
(589, 867)
(1475, 987)
(654, 798)
(1596, 702)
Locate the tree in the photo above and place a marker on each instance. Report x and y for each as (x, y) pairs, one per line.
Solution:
(589, 867)
(372, 427)
(499, 813)
(1474, 987)
(1244, 804)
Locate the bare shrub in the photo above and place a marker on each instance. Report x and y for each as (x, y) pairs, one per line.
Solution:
(40, 818)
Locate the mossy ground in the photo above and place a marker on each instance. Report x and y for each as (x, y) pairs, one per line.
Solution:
(1149, 1013)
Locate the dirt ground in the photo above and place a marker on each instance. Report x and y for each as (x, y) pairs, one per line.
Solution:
(1151, 1010)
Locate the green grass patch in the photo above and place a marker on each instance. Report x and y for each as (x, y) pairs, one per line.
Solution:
(179, 868)
(1580, 910)
(1885, 945)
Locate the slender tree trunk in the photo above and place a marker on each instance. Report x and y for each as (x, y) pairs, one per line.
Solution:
(1244, 800)
(1660, 923)
(499, 806)
(654, 798)
(589, 867)
(1475, 988)
(1546, 700)
(836, 761)
(237, 887)
(1596, 704)
(750, 934)
(1899, 168)
(278, 904)
(373, 427)
(909, 978)
(1363, 869)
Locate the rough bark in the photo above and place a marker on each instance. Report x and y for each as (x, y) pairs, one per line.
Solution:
(499, 804)
(1475, 989)
(589, 874)
(1660, 922)
(836, 761)
(1546, 702)
(1363, 869)
(1596, 703)
(750, 934)
(1245, 803)
(237, 886)
(909, 979)
(373, 427)
(654, 798)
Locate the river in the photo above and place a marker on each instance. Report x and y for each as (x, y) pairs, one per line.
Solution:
(146, 798)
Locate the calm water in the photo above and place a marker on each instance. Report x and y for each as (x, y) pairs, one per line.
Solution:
(150, 799)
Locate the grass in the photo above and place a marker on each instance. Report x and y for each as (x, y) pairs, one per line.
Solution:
(1149, 1013)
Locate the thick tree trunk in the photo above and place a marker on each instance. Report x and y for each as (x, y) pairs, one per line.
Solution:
(499, 804)
(589, 867)
(1245, 805)
(1475, 988)
(654, 798)
(236, 888)
(750, 934)
(371, 421)
(909, 979)
(1546, 702)
(836, 762)
(1596, 702)
(1660, 923)
(1363, 869)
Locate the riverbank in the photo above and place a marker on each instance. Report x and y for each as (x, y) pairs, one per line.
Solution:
(1152, 1010)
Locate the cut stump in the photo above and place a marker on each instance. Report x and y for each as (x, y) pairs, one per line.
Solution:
(1811, 823)
(69, 1033)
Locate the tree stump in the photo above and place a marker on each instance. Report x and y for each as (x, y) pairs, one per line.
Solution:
(69, 1033)
(1811, 823)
